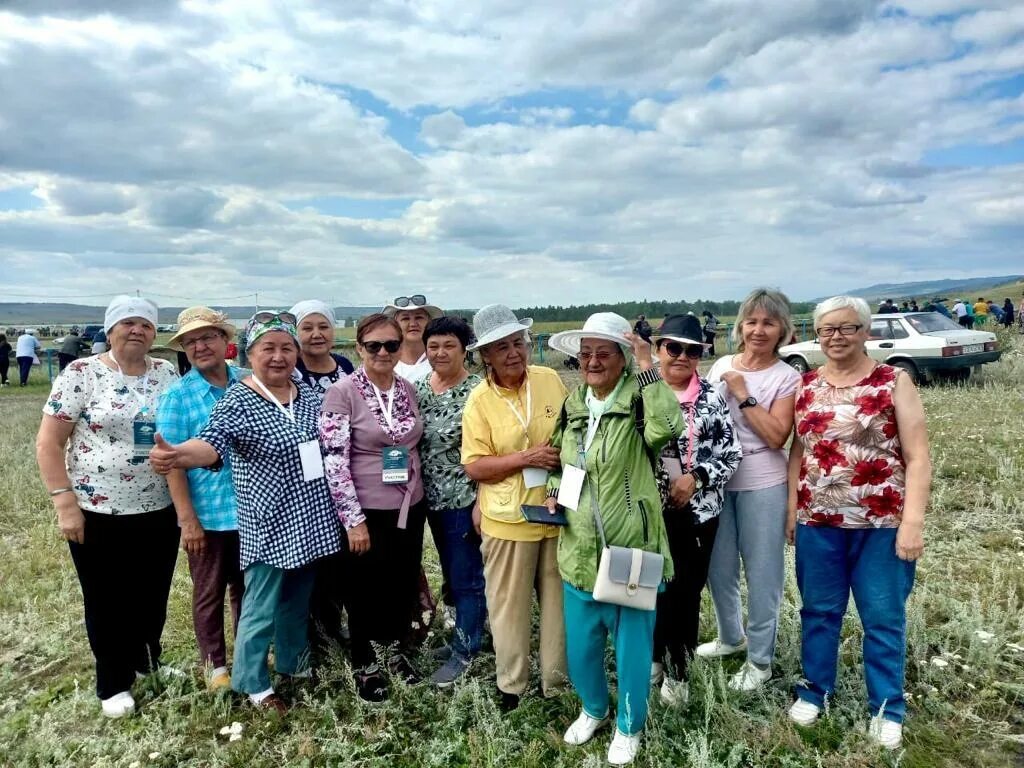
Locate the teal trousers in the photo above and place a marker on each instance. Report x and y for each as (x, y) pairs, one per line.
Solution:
(588, 624)
(275, 608)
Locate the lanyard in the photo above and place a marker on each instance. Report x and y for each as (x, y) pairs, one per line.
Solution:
(143, 408)
(529, 408)
(594, 420)
(386, 413)
(290, 412)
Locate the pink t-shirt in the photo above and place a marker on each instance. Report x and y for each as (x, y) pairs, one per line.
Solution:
(761, 467)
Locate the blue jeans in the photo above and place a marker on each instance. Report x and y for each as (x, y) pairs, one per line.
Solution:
(829, 563)
(275, 608)
(462, 566)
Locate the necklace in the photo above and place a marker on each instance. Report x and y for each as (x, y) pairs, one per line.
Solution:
(737, 362)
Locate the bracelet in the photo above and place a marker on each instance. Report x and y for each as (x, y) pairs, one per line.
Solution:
(59, 491)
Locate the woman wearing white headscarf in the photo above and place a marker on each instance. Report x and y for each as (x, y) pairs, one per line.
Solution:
(318, 366)
(114, 511)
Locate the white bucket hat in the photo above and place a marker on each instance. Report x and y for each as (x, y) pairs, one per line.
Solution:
(600, 325)
(494, 322)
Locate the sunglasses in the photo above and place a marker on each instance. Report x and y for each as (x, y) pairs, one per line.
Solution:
(373, 347)
(266, 317)
(675, 349)
(416, 300)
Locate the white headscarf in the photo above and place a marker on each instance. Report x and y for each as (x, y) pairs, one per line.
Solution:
(122, 307)
(314, 307)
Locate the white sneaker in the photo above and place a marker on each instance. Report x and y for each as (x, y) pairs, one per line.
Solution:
(118, 705)
(623, 748)
(886, 733)
(657, 673)
(584, 728)
(674, 693)
(804, 713)
(750, 678)
(716, 649)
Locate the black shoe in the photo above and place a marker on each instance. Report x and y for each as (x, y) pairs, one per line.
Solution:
(507, 701)
(402, 669)
(371, 686)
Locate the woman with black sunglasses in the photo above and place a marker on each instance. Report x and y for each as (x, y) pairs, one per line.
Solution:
(370, 427)
(692, 473)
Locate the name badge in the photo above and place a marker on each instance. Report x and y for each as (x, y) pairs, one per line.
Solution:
(143, 438)
(535, 477)
(571, 487)
(395, 463)
(312, 460)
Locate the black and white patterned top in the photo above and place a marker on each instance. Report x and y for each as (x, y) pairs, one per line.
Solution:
(321, 382)
(283, 521)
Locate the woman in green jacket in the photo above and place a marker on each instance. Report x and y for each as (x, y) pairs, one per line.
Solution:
(611, 427)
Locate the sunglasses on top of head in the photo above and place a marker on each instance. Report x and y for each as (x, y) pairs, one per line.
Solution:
(675, 349)
(416, 300)
(391, 346)
(266, 317)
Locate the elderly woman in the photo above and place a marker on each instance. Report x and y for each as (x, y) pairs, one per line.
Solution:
(612, 425)
(318, 366)
(412, 314)
(268, 422)
(450, 493)
(859, 478)
(370, 427)
(760, 389)
(692, 475)
(506, 449)
(112, 508)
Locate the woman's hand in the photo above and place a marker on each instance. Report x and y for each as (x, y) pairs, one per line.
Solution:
(476, 516)
(682, 490)
(641, 351)
(70, 518)
(552, 504)
(737, 385)
(909, 542)
(162, 456)
(542, 456)
(193, 537)
(791, 525)
(359, 539)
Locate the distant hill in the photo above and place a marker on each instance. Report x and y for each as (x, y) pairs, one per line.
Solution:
(18, 315)
(945, 288)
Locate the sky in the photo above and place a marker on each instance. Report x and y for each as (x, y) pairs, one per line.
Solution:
(512, 151)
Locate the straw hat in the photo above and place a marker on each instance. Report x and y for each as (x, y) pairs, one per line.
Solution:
(194, 318)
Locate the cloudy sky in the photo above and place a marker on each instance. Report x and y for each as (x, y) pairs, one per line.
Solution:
(505, 150)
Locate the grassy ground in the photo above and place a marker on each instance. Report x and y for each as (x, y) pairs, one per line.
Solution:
(965, 659)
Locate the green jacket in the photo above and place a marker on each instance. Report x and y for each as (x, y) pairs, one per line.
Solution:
(619, 470)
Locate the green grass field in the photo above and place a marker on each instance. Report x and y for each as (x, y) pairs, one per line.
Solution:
(965, 667)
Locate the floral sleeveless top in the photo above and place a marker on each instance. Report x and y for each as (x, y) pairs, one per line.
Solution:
(852, 474)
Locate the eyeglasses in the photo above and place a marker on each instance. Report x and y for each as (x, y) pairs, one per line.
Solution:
(601, 356)
(416, 300)
(847, 329)
(391, 345)
(266, 317)
(206, 340)
(675, 349)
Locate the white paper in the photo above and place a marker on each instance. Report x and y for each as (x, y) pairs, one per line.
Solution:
(535, 477)
(312, 460)
(571, 487)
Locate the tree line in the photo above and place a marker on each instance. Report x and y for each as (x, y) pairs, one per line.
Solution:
(653, 310)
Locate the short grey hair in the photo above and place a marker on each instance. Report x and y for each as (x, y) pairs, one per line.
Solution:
(837, 303)
(775, 304)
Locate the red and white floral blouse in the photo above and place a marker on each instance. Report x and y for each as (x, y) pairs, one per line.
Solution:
(852, 474)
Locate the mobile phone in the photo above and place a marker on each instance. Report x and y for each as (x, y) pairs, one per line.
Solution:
(538, 513)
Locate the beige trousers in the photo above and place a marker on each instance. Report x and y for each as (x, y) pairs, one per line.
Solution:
(512, 571)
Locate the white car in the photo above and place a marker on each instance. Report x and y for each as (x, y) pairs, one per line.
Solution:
(926, 345)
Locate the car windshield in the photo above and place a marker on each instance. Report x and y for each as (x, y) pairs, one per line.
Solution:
(929, 322)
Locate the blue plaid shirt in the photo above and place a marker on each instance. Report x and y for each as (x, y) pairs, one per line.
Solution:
(182, 413)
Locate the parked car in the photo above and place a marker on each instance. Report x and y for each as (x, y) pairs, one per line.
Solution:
(926, 345)
(89, 331)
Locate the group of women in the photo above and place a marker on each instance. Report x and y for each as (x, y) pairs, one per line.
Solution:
(651, 480)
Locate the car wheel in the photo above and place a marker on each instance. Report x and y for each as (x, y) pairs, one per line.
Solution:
(798, 363)
(909, 367)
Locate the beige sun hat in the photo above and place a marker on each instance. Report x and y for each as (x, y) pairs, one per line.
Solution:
(600, 325)
(194, 318)
(411, 304)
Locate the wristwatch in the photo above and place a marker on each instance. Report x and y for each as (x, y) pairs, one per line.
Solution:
(698, 483)
(750, 402)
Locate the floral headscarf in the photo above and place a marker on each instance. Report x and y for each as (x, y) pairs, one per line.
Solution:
(254, 329)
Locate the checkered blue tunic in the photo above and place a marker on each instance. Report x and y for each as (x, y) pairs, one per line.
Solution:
(283, 521)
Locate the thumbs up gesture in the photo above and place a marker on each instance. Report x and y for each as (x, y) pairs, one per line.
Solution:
(162, 456)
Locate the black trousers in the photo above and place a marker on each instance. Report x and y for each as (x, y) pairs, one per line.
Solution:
(675, 629)
(24, 369)
(5, 366)
(709, 338)
(384, 582)
(125, 567)
(330, 597)
(65, 360)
